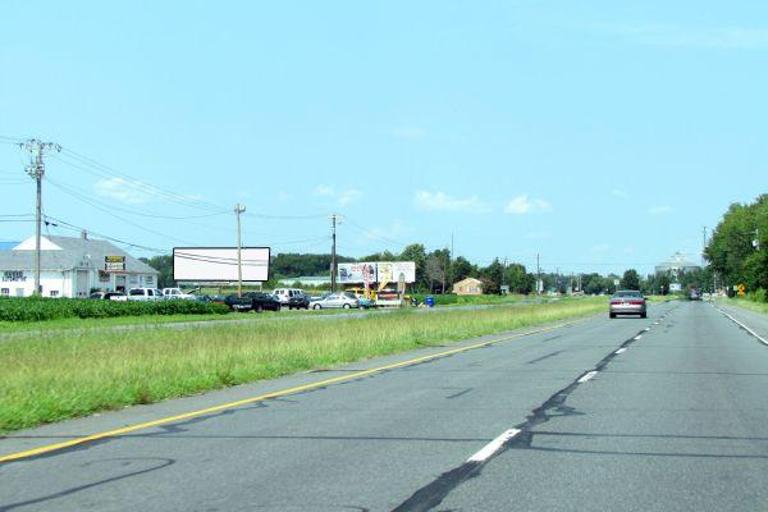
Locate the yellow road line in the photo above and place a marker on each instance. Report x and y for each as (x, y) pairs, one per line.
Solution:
(266, 396)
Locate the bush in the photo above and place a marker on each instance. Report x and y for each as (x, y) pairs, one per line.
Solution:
(758, 296)
(35, 309)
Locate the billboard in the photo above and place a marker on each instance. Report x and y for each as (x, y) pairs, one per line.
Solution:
(376, 272)
(350, 273)
(199, 264)
(392, 271)
(114, 263)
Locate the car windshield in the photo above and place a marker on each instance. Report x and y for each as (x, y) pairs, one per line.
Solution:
(627, 294)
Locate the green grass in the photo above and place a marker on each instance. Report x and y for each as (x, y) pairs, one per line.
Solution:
(77, 373)
(88, 323)
(759, 307)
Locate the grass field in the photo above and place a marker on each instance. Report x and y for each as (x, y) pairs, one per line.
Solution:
(759, 307)
(76, 373)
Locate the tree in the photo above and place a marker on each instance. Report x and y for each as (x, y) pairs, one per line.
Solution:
(736, 251)
(631, 280)
(518, 279)
(164, 265)
(417, 254)
(461, 268)
(492, 276)
(437, 268)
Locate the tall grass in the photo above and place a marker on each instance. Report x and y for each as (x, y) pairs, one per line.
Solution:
(74, 374)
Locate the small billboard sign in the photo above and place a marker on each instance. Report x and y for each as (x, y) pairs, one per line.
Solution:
(114, 263)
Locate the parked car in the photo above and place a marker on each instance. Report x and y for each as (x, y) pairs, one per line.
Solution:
(253, 301)
(298, 301)
(176, 293)
(263, 301)
(284, 295)
(344, 300)
(628, 302)
(118, 296)
(145, 294)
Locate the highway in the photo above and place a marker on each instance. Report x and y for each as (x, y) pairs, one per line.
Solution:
(657, 414)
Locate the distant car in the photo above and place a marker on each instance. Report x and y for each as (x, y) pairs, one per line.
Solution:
(252, 301)
(118, 296)
(298, 301)
(628, 302)
(694, 294)
(345, 300)
(176, 293)
(144, 294)
(284, 295)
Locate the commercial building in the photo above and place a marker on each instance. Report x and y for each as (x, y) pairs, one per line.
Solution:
(468, 286)
(71, 267)
(676, 265)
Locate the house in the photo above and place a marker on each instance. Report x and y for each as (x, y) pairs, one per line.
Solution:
(468, 286)
(71, 267)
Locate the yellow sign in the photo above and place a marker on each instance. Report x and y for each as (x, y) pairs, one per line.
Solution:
(741, 290)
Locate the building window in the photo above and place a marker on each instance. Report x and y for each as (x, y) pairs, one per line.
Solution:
(54, 293)
(5, 292)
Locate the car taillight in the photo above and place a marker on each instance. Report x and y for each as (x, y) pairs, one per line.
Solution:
(636, 302)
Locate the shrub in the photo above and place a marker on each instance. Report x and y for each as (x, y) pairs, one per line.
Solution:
(35, 309)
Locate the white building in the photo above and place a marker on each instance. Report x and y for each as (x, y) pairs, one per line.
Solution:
(71, 267)
(676, 265)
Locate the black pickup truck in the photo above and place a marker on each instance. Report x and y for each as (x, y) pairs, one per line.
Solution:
(252, 301)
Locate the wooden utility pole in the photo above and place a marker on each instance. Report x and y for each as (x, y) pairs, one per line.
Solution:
(238, 210)
(333, 253)
(36, 170)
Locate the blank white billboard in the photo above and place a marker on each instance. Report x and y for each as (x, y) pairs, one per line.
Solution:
(199, 264)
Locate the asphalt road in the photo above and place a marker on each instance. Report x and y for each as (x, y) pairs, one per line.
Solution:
(600, 415)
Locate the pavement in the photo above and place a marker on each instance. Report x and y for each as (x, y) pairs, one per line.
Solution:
(665, 413)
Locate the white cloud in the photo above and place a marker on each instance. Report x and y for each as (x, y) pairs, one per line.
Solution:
(348, 196)
(440, 201)
(409, 132)
(323, 190)
(522, 205)
(621, 194)
(343, 197)
(659, 210)
(600, 248)
(733, 37)
(125, 191)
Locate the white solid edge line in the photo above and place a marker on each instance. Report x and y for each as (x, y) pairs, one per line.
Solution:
(621, 350)
(587, 376)
(492, 447)
(748, 329)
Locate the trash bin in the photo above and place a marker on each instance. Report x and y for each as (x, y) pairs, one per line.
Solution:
(429, 300)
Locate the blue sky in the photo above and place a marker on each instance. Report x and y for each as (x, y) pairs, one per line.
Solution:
(603, 135)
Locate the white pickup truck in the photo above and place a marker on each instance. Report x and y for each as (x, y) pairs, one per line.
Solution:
(176, 293)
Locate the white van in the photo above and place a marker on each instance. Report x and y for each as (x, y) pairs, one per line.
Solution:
(145, 294)
(284, 295)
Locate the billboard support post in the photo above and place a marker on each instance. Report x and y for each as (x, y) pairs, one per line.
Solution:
(238, 210)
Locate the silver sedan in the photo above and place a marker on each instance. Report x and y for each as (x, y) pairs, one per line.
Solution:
(628, 302)
(343, 300)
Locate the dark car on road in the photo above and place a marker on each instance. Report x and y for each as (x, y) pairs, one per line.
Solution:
(628, 302)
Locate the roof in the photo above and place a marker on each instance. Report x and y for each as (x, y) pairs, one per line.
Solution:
(678, 260)
(66, 253)
(468, 280)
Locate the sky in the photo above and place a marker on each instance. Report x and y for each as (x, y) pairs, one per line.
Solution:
(601, 135)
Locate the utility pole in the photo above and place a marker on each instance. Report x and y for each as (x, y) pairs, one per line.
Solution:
(239, 208)
(539, 287)
(36, 170)
(333, 252)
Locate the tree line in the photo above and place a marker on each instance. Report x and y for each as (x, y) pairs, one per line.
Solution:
(736, 250)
